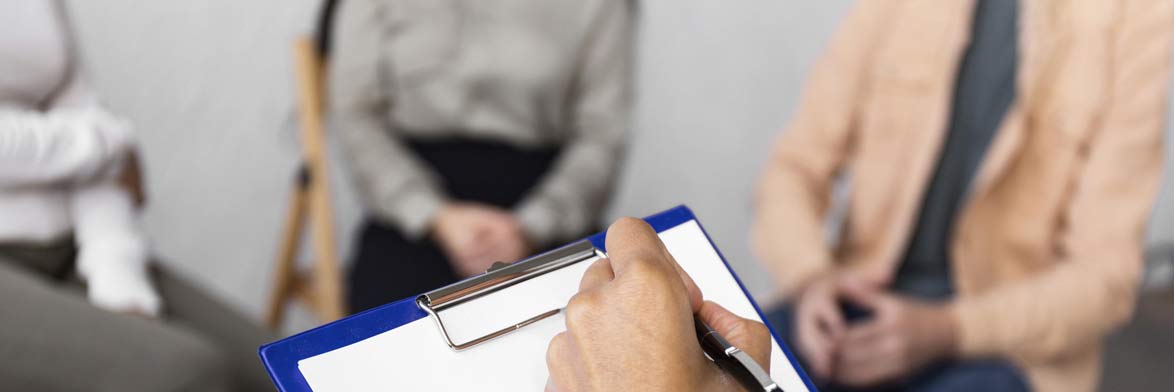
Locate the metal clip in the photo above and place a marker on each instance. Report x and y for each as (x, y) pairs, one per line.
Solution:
(501, 276)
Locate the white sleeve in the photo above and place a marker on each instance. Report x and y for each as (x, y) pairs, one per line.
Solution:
(59, 146)
(113, 250)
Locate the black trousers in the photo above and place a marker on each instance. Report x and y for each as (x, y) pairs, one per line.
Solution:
(388, 266)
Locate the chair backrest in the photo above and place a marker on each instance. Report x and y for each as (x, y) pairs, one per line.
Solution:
(325, 28)
(321, 287)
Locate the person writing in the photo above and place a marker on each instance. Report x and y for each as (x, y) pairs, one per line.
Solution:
(630, 326)
(1003, 157)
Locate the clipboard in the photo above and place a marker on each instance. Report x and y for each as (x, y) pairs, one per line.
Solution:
(330, 346)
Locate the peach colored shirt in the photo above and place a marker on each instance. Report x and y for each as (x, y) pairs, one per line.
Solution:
(1047, 250)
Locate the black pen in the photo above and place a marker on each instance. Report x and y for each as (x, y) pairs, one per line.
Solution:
(733, 360)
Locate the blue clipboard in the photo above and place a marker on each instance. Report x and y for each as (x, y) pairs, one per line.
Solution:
(281, 357)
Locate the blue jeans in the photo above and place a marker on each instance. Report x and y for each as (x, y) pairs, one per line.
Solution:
(966, 376)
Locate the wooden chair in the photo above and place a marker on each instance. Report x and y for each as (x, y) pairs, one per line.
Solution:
(320, 288)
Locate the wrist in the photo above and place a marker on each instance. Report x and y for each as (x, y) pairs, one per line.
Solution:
(826, 277)
(438, 221)
(537, 220)
(800, 287)
(414, 212)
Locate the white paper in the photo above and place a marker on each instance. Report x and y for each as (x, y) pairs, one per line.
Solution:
(414, 356)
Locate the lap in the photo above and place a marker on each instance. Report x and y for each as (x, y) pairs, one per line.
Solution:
(236, 335)
(387, 267)
(50, 330)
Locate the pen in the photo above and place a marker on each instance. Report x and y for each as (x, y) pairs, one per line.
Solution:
(733, 360)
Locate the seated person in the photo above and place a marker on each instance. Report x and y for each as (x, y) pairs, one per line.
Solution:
(1004, 157)
(476, 131)
(67, 178)
(630, 327)
(47, 148)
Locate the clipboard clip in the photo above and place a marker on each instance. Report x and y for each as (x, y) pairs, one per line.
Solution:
(497, 278)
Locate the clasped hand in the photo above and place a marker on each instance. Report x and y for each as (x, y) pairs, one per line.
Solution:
(900, 335)
(474, 236)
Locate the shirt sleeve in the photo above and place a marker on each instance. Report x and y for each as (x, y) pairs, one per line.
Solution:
(74, 140)
(1094, 288)
(794, 190)
(567, 201)
(59, 146)
(393, 184)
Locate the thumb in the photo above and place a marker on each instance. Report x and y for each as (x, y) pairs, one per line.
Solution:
(748, 335)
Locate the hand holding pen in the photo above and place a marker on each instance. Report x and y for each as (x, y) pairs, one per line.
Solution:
(631, 326)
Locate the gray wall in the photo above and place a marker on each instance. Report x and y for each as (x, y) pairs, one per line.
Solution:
(209, 85)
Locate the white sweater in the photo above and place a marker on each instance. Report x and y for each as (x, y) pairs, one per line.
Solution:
(59, 156)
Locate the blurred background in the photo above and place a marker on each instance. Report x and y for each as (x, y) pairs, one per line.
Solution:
(209, 85)
(210, 88)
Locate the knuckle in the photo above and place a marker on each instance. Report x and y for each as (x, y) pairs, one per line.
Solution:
(580, 309)
(649, 273)
(643, 268)
(555, 350)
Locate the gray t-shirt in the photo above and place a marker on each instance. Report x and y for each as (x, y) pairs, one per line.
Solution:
(983, 93)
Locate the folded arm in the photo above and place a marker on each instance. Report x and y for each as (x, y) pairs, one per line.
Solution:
(59, 146)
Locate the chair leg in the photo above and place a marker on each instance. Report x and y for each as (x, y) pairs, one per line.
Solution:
(327, 279)
(284, 277)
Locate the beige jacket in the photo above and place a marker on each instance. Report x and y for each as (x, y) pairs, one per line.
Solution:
(1047, 251)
